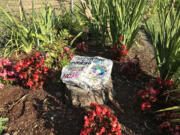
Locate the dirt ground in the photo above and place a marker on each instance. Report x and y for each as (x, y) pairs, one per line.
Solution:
(45, 112)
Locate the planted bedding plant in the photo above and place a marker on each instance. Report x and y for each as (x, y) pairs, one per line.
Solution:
(7, 74)
(162, 96)
(32, 72)
(100, 121)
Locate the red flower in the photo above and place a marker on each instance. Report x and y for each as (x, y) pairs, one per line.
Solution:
(140, 92)
(21, 76)
(165, 124)
(30, 83)
(37, 55)
(153, 91)
(25, 76)
(83, 47)
(145, 105)
(121, 38)
(34, 69)
(35, 77)
(100, 121)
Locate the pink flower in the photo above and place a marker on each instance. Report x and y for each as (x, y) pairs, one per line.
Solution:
(71, 56)
(4, 73)
(47, 55)
(124, 47)
(1, 62)
(66, 49)
(10, 73)
(102, 130)
(6, 62)
(1, 86)
(83, 1)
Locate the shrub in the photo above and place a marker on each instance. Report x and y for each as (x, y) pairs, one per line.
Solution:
(32, 72)
(59, 55)
(6, 72)
(100, 121)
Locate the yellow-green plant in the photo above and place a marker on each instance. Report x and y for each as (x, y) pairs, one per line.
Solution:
(164, 32)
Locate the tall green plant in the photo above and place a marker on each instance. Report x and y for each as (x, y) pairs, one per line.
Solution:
(21, 37)
(96, 14)
(114, 18)
(40, 28)
(46, 24)
(164, 32)
(125, 20)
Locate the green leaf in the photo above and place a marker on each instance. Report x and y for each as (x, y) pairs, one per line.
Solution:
(174, 108)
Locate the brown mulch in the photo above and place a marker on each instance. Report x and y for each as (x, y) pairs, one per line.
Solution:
(45, 112)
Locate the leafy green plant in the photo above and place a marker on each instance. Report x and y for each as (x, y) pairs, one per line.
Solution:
(45, 25)
(96, 17)
(125, 20)
(72, 22)
(2, 120)
(21, 38)
(59, 55)
(116, 18)
(164, 30)
(29, 32)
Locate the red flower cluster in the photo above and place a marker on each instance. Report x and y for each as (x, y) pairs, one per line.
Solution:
(149, 95)
(131, 68)
(82, 47)
(6, 72)
(153, 93)
(162, 85)
(31, 72)
(155, 96)
(100, 121)
(119, 53)
(174, 129)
